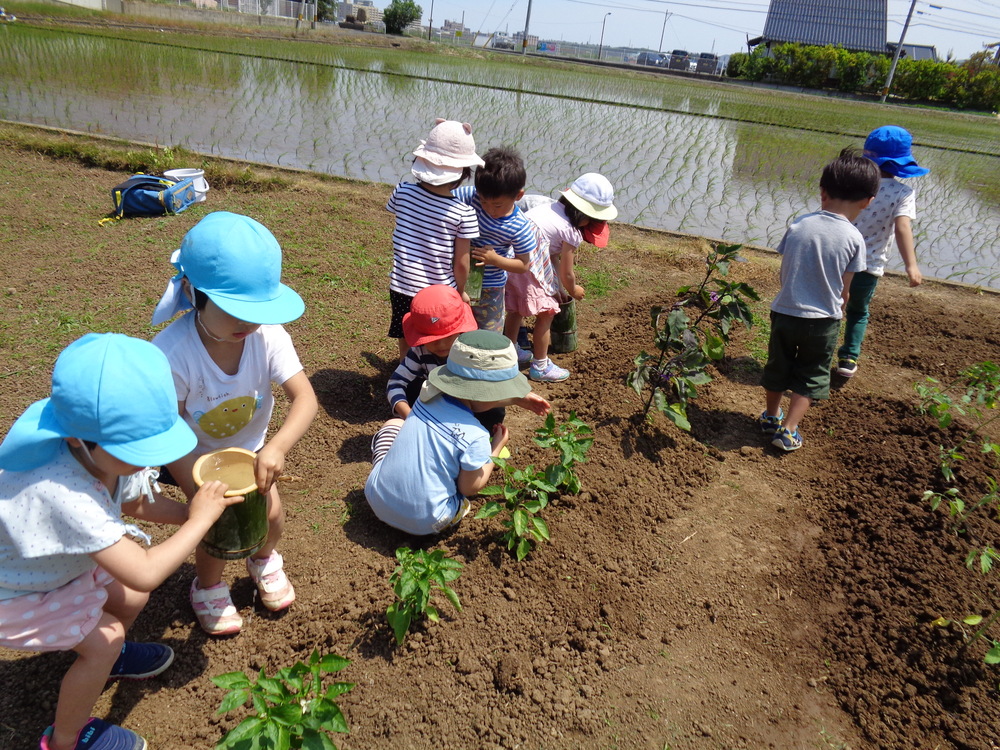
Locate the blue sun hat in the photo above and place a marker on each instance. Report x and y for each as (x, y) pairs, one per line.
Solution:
(236, 261)
(889, 147)
(109, 388)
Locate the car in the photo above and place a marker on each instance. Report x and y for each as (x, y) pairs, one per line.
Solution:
(651, 58)
(707, 63)
(678, 60)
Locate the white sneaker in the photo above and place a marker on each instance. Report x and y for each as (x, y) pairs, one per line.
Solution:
(214, 609)
(551, 373)
(276, 591)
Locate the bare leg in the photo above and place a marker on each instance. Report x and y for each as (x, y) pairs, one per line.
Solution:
(403, 348)
(773, 402)
(208, 568)
(275, 524)
(511, 325)
(85, 680)
(796, 410)
(541, 336)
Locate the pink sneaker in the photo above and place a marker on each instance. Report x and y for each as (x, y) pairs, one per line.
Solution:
(214, 609)
(276, 592)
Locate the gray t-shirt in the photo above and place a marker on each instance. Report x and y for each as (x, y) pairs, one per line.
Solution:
(816, 251)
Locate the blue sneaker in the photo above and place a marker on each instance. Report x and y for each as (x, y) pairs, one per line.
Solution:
(786, 440)
(100, 735)
(140, 661)
(551, 373)
(768, 424)
(524, 357)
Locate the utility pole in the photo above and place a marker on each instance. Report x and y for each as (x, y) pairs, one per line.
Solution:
(896, 54)
(600, 46)
(666, 15)
(430, 22)
(524, 41)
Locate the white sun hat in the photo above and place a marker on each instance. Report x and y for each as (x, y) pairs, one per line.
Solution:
(450, 144)
(593, 194)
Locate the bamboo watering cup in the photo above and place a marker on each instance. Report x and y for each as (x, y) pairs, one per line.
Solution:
(474, 284)
(242, 528)
(563, 330)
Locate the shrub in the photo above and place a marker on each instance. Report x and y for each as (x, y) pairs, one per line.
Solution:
(399, 15)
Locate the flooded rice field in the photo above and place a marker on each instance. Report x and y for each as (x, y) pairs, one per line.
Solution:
(722, 161)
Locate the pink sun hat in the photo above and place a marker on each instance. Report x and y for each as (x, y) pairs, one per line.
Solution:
(450, 144)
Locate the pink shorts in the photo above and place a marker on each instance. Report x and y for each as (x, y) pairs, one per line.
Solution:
(523, 295)
(55, 620)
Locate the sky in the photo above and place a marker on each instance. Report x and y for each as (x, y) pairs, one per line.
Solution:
(960, 27)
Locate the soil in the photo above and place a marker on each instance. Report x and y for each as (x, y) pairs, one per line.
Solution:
(702, 591)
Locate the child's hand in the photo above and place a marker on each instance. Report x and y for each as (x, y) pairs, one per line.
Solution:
(268, 467)
(209, 502)
(534, 403)
(578, 292)
(466, 299)
(499, 439)
(485, 255)
(916, 278)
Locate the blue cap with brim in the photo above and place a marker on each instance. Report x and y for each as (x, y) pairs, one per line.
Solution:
(111, 389)
(236, 262)
(889, 147)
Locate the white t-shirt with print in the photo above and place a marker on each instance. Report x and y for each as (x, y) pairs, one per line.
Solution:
(877, 223)
(228, 411)
(52, 518)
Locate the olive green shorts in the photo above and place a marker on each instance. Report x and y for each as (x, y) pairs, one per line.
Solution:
(799, 355)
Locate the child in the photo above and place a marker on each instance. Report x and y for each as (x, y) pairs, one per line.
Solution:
(430, 243)
(70, 580)
(436, 318)
(888, 218)
(820, 253)
(224, 355)
(424, 468)
(506, 238)
(590, 199)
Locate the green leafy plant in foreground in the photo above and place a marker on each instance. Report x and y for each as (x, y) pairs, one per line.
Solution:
(691, 334)
(293, 709)
(974, 395)
(526, 492)
(416, 578)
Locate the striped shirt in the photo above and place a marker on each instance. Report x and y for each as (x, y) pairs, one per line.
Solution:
(423, 242)
(509, 235)
(418, 363)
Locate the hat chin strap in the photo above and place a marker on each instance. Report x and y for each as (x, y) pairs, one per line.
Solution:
(201, 323)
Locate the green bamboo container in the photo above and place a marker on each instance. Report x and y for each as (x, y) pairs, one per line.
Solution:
(564, 329)
(242, 528)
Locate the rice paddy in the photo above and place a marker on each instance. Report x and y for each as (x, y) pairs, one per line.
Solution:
(726, 161)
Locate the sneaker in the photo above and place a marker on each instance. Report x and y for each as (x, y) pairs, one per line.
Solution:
(786, 440)
(551, 373)
(214, 609)
(847, 367)
(524, 356)
(768, 424)
(100, 735)
(275, 590)
(140, 661)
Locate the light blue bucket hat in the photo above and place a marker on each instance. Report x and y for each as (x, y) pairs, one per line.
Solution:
(109, 388)
(236, 261)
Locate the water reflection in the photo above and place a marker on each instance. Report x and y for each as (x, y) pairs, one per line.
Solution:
(735, 181)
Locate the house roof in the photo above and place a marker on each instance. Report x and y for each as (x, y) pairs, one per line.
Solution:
(858, 25)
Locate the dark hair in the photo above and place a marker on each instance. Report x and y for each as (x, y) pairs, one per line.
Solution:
(503, 175)
(850, 177)
(200, 299)
(573, 214)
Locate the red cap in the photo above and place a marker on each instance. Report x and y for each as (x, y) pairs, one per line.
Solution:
(437, 312)
(597, 233)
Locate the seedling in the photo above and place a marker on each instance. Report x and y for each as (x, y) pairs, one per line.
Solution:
(687, 346)
(418, 575)
(293, 709)
(527, 491)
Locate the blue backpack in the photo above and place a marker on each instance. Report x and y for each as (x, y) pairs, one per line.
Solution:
(150, 195)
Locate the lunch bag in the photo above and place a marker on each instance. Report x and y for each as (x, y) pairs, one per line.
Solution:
(150, 195)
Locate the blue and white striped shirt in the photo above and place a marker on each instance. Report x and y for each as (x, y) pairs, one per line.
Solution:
(509, 235)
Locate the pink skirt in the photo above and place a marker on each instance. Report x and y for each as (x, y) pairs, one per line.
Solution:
(55, 620)
(524, 295)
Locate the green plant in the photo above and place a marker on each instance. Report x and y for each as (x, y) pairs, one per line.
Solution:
(526, 492)
(399, 15)
(418, 575)
(692, 344)
(293, 709)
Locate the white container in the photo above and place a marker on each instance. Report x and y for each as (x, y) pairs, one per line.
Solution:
(201, 187)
